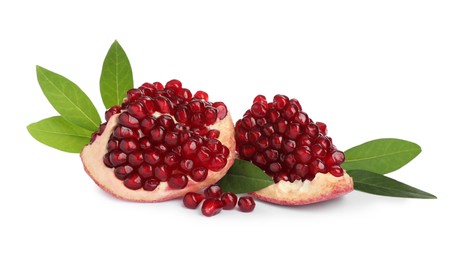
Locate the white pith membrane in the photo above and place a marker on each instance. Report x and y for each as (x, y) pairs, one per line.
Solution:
(322, 187)
(92, 157)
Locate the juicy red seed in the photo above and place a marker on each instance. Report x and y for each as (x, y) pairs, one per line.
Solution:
(186, 165)
(211, 207)
(133, 182)
(280, 126)
(112, 144)
(197, 119)
(254, 134)
(275, 167)
(158, 85)
(304, 140)
(201, 95)
(117, 158)
(157, 134)
(163, 104)
(199, 174)
(271, 155)
(318, 151)
(276, 141)
(247, 151)
(248, 122)
(137, 110)
(145, 171)
(289, 160)
(317, 166)
(203, 156)
(225, 151)
(182, 114)
(280, 101)
(195, 106)
(217, 163)
(214, 145)
(312, 130)
(229, 200)
(296, 102)
(121, 132)
(262, 143)
(211, 115)
(213, 133)
(337, 157)
(260, 99)
(189, 149)
(294, 177)
(135, 158)
(281, 177)
(192, 200)
(246, 204)
(184, 94)
(324, 142)
(150, 184)
(148, 104)
(160, 148)
(268, 129)
(145, 143)
(171, 159)
(162, 172)
(112, 111)
(260, 160)
(213, 191)
(290, 111)
(322, 127)
(177, 181)
(303, 154)
(301, 118)
(147, 124)
(272, 115)
(293, 130)
(171, 138)
(165, 121)
(174, 83)
(336, 171)
(288, 145)
(261, 121)
(258, 110)
(123, 171)
(301, 169)
(152, 157)
(241, 135)
(222, 110)
(128, 145)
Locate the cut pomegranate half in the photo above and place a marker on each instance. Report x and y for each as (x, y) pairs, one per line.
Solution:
(294, 151)
(160, 144)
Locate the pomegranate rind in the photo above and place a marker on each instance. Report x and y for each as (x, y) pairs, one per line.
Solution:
(323, 187)
(92, 158)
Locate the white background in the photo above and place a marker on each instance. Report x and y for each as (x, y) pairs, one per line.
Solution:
(369, 69)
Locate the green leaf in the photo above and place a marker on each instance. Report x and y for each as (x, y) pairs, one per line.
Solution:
(243, 177)
(60, 134)
(381, 155)
(68, 99)
(382, 185)
(116, 76)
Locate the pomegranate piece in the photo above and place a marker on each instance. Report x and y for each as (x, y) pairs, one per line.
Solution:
(211, 207)
(246, 204)
(229, 200)
(301, 159)
(192, 200)
(161, 143)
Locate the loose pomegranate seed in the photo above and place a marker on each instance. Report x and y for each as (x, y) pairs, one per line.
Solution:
(192, 200)
(211, 207)
(246, 204)
(229, 200)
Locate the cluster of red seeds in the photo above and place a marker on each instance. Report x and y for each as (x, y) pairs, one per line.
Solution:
(282, 140)
(216, 200)
(163, 135)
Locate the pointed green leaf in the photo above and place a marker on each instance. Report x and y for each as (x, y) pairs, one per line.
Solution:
(68, 99)
(381, 155)
(60, 134)
(382, 185)
(116, 76)
(243, 177)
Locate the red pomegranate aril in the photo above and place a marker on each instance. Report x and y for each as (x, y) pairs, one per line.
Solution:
(248, 122)
(150, 184)
(213, 191)
(165, 121)
(147, 124)
(312, 130)
(162, 172)
(222, 110)
(336, 157)
(261, 122)
(317, 166)
(275, 167)
(242, 135)
(281, 125)
(290, 111)
(258, 110)
(301, 169)
(133, 182)
(171, 138)
(201, 95)
(137, 110)
(295, 102)
(184, 94)
(152, 157)
(301, 118)
(262, 143)
(163, 104)
(133, 94)
(148, 104)
(197, 120)
(275, 141)
(246, 204)
(128, 120)
(203, 155)
(271, 155)
(145, 143)
(336, 170)
(123, 171)
(214, 145)
(117, 158)
(280, 101)
(229, 200)
(211, 207)
(189, 149)
(322, 127)
(195, 106)
(260, 99)
(211, 115)
(121, 132)
(112, 144)
(304, 140)
(112, 111)
(247, 151)
(191, 200)
(186, 165)
(158, 86)
(303, 154)
(174, 83)
(157, 134)
(268, 129)
(288, 145)
(289, 161)
(217, 163)
(272, 116)
(324, 142)
(128, 145)
(136, 158)
(177, 181)
(281, 177)
(318, 151)
(213, 133)
(145, 171)
(254, 134)
(171, 159)
(199, 174)
(182, 114)
(293, 130)
(260, 160)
